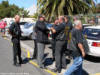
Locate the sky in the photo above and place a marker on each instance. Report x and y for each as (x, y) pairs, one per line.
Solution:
(98, 1)
(29, 5)
(22, 3)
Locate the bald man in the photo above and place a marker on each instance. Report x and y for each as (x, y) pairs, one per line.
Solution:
(15, 32)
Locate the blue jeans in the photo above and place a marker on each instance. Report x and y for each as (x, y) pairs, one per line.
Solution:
(76, 68)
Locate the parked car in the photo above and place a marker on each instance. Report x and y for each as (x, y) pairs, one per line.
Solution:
(9, 24)
(22, 23)
(27, 30)
(11, 21)
(86, 25)
(93, 37)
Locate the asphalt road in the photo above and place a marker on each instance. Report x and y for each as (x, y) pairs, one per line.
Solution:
(91, 65)
(6, 63)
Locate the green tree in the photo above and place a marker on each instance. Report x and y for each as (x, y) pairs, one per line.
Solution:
(7, 10)
(55, 8)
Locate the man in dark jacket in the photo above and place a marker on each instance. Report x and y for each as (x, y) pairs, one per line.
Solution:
(15, 32)
(42, 39)
(68, 29)
(60, 42)
(56, 23)
(69, 25)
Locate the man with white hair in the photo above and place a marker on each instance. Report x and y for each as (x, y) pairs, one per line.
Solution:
(75, 44)
(15, 32)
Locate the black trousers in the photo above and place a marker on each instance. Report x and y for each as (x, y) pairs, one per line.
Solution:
(60, 54)
(35, 49)
(16, 50)
(53, 43)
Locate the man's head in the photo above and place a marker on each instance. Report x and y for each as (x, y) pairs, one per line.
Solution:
(75, 18)
(56, 21)
(17, 18)
(66, 18)
(78, 24)
(61, 19)
(41, 17)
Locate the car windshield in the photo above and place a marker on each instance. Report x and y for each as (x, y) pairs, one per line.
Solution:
(22, 23)
(28, 25)
(92, 33)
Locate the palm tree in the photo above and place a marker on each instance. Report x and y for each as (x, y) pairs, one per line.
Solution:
(55, 8)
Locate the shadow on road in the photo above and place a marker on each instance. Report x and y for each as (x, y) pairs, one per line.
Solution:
(26, 60)
(92, 59)
(49, 61)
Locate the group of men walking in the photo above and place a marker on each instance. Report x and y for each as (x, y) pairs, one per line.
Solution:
(65, 37)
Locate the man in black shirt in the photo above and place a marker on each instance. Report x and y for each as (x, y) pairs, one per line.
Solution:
(56, 23)
(69, 25)
(15, 32)
(60, 42)
(75, 44)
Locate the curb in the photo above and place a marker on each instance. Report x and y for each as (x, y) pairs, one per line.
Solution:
(36, 65)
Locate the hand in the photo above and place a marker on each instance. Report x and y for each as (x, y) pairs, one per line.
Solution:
(83, 54)
(51, 28)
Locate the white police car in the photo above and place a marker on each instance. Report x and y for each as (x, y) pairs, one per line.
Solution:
(93, 38)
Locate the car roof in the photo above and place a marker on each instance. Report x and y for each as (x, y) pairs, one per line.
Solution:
(94, 27)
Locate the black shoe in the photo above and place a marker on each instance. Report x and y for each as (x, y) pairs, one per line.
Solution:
(21, 62)
(57, 70)
(53, 59)
(64, 67)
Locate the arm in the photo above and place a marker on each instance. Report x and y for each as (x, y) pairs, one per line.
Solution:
(58, 28)
(79, 42)
(81, 49)
(53, 30)
(11, 29)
